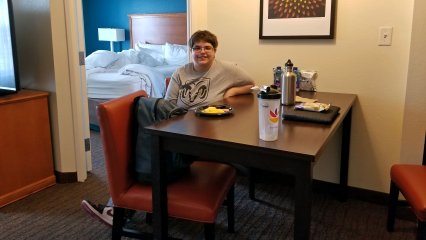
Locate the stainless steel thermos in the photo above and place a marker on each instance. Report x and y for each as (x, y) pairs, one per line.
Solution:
(288, 85)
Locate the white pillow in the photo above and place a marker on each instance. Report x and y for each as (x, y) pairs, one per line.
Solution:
(129, 56)
(155, 47)
(159, 57)
(101, 58)
(176, 54)
(147, 59)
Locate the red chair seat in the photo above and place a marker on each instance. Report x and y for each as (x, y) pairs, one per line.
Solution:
(196, 197)
(411, 181)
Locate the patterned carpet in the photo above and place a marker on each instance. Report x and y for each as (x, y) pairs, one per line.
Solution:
(55, 213)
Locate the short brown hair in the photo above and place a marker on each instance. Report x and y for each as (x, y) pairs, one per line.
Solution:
(203, 35)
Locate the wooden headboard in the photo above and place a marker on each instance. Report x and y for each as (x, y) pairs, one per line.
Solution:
(158, 28)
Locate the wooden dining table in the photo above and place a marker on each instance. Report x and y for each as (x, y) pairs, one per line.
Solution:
(234, 139)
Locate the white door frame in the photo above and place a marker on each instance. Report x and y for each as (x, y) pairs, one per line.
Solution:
(78, 86)
(197, 15)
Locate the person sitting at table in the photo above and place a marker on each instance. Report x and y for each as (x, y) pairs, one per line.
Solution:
(206, 80)
(203, 81)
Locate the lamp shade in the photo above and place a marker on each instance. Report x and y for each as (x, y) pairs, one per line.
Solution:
(111, 34)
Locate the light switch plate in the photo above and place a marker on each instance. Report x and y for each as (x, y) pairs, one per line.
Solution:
(385, 36)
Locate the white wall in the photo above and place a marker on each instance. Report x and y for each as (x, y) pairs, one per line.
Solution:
(350, 63)
(415, 104)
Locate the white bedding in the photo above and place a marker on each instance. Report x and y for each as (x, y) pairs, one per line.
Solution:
(131, 78)
(167, 70)
(111, 75)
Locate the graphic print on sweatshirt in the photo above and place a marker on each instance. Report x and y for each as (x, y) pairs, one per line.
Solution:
(194, 91)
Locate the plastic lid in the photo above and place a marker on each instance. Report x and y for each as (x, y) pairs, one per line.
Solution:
(289, 63)
(269, 93)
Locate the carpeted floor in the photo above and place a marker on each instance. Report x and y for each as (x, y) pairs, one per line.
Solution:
(55, 213)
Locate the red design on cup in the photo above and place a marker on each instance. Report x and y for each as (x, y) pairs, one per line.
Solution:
(273, 115)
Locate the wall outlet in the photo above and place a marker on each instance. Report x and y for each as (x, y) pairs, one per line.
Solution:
(385, 36)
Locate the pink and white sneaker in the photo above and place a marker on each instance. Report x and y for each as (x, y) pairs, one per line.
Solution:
(102, 213)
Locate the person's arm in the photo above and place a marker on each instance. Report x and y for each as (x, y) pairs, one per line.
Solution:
(238, 90)
(172, 89)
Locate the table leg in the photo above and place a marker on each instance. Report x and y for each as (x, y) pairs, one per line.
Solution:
(344, 157)
(159, 190)
(303, 202)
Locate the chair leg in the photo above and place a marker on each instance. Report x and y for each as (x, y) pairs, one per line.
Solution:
(252, 182)
(209, 231)
(421, 231)
(118, 223)
(230, 202)
(393, 201)
(148, 218)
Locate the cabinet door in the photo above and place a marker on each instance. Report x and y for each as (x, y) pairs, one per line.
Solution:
(26, 162)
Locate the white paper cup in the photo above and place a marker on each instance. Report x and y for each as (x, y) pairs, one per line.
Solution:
(269, 115)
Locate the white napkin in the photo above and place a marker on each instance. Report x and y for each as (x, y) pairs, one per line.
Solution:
(305, 100)
(309, 74)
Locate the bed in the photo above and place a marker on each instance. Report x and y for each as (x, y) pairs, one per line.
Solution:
(158, 48)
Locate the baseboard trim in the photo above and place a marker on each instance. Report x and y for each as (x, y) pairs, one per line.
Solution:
(66, 177)
(27, 190)
(323, 186)
(353, 192)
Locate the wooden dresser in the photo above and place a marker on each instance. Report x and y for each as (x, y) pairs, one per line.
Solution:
(26, 162)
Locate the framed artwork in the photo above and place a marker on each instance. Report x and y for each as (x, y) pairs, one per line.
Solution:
(297, 19)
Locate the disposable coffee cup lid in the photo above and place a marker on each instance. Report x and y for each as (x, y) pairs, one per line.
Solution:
(269, 93)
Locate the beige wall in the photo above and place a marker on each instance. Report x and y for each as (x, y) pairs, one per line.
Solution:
(350, 63)
(415, 104)
(197, 12)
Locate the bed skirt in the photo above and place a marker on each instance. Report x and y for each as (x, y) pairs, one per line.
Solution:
(93, 119)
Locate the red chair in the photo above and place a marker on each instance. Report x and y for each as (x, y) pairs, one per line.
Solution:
(196, 197)
(167, 82)
(410, 180)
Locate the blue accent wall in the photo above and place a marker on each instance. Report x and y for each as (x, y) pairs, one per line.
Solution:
(113, 14)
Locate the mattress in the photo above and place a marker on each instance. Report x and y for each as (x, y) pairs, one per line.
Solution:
(108, 85)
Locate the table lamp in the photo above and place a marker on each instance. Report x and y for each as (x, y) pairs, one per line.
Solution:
(112, 35)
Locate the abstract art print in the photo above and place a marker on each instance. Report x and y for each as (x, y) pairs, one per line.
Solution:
(282, 19)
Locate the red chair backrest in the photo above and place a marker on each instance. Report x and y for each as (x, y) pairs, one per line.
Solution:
(167, 82)
(424, 152)
(116, 122)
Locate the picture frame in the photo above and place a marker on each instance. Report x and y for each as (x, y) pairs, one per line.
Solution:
(297, 19)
